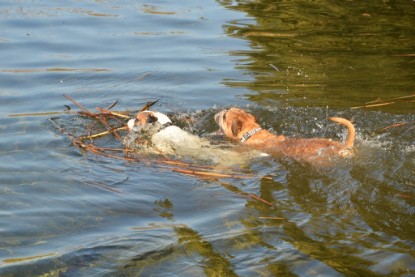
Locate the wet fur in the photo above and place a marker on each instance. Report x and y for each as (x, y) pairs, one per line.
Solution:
(149, 134)
(236, 122)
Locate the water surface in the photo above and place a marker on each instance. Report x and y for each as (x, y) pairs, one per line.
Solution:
(64, 212)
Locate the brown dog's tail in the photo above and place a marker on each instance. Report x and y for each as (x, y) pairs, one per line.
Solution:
(352, 132)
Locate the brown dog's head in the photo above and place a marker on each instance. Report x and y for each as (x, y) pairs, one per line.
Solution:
(147, 117)
(235, 123)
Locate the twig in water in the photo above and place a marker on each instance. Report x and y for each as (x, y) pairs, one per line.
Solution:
(260, 199)
(104, 133)
(85, 110)
(203, 171)
(148, 105)
(95, 150)
(107, 112)
(103, 186)
(91, 114)
(274, 67)
(112, 105)
(208, 174)
(270, 217)
(394, 125)
(386, 102)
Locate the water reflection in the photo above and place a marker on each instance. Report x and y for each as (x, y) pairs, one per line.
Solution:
(325, 53)
(192, 247)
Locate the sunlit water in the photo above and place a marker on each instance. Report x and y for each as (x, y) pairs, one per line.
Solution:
(64, 212)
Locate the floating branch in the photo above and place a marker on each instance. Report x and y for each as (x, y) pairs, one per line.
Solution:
(80, 106)
(406, 55)
(272, 218)
(209, 174)
(99, 151)
(104, 116)
(103, 186)
(103, 133)
(107, 112)
(394, 125)
(386, 102)
(205, 167)
(112, 105)
(86, 112)
(40, 114)
(260, 199)
(148, 105)
(107, 118)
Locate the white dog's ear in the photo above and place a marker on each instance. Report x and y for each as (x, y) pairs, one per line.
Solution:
(151, 119)
(236, 127)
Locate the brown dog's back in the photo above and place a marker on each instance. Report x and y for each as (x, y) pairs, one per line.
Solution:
(312, 149)
(241, 125)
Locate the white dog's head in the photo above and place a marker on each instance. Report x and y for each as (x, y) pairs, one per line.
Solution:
(147, 117)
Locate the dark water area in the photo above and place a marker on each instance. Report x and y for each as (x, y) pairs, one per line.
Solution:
(66, 212)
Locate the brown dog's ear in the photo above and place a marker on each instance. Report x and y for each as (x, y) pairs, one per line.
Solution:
(236, 127)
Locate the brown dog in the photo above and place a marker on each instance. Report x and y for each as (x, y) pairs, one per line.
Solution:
(241, 125)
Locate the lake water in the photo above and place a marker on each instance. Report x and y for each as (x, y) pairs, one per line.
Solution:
(64, 212)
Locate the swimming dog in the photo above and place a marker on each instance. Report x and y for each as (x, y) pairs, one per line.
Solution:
(240, 125)
(157, 134)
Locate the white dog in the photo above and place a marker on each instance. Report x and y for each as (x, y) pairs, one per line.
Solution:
(153, 132)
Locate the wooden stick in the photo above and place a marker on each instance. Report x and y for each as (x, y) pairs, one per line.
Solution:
(270, 217)
(208, 174)
(85, 110)
(208, 167)
(373, 105)
(103, 185)
(40, 114)
(260, 199)
(104, 133)
(385, 102)
(93, 149)
(112, 105)
(187, 165)
(107, 112)
(88, 113)
(404, 97)
(392, 99)
(406, 55)
(191, 169)
(398, 124)
(104, 121)
(148, 105)
(110, 149)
